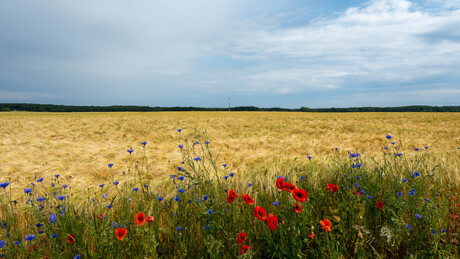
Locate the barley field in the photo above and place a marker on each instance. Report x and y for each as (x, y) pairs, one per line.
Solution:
(229, 185)
(80, 145)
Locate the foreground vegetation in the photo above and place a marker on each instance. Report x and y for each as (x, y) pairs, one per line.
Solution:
(396, 203)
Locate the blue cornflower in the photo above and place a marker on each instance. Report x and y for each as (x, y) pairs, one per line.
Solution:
(358, 165)
(249, 184)
(231, 174)
(146, 186)
(136, 189)
(353, 155)
(224, 165)
(302, 177)
(4, 185)
(399, 154)
(40, 180)
(399, 194)
(362, 191)
(180, 146)
(177, 198)
(418, 216)
(27, 190)
(408, 226)
(433, 232)
(77, 257)
(309, 157)
(40, 199)
(416, 173)
(38, 225)
(130, 150)
(179, 228)
(52, 218)
(416, 149)
(356, 185)
(54, 235)
(369, 197)
(2, 243)
(110, 165)
(102, 185)
(226, 177)
(144, 143)
(197, 158)
(181, 178)
(276, 203)
(358, 177)
(160, 198)
(386, 148)
(116, 183)
(206, 142)
(388, 136)
(17, 242)
(172, 176)
(206, 227)
(425, 199)
(393, 143)
(412, 192)
(404, 180)
(443, 230)
(345, 175)
(198, 200)
(426, 147)
(179, 168)
(179, 130)
(205, 198)
(57, 175)
(41, 232)
(109, 206)
(65, 186)
(181, 190)
(209, 211)
(104, 196)
(30, 238)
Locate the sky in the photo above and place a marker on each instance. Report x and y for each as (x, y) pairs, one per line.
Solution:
(265, 53)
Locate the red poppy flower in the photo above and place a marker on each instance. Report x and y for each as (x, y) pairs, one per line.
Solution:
(121, 233)
(247, 199)
(231, 196)
(297, 208)
(149, 219)
(100, 216)
(139, 219)
(453, 216)
(279, 183)
(71, 238)
(311, 235)
(290, 187)
(300, 195)
(332, 187)
(272, 221)
(244, 249)
(230, 199)
(260, 213)
(241, 237)
(326, 224)
(379, 204)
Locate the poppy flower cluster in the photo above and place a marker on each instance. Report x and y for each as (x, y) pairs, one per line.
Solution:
(261, 215)
(231, 196)
(326, 224)
(332, 187)
(299, 195)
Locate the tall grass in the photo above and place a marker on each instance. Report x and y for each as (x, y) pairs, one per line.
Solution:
(374, 212)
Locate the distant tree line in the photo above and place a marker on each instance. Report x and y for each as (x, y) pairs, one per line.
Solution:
(121, 108)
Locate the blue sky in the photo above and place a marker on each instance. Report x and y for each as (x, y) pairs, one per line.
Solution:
(200, 53)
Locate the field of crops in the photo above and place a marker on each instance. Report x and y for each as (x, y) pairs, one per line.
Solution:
(218, 184)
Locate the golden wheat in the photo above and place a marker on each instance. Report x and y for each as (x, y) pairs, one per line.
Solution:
(80, 145)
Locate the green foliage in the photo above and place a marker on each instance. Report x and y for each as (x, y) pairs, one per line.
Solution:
(195, 227)
(132, 108)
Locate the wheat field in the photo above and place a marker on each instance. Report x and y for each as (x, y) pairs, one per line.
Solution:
(78, 146)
